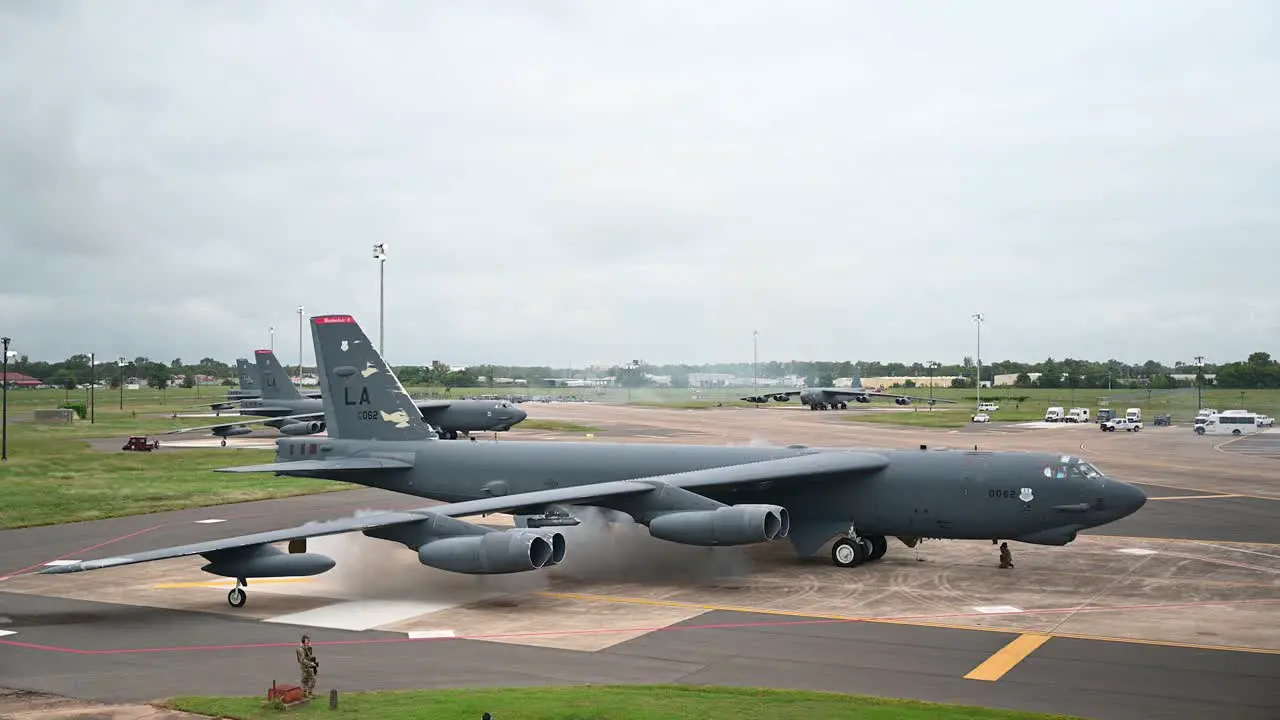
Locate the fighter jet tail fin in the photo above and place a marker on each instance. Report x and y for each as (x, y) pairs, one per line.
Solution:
(363, 399)
(276, 383)
(248, 379)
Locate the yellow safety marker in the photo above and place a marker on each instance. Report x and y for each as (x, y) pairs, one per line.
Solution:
(1195, 497)
(1007, 657)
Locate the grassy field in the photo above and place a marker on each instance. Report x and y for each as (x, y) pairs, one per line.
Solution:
(54, 475)
(608, 703)
(557, 426)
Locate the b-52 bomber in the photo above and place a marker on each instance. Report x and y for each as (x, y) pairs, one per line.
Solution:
(284, 408)
(838, 398)
(689, 494)
(250, 388)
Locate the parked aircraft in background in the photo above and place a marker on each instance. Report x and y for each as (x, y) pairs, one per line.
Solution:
(838, 398)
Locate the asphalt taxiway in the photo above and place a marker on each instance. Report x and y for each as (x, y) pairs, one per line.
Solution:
(1170, 615)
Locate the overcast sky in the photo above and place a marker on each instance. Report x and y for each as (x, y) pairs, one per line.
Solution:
(575, 182)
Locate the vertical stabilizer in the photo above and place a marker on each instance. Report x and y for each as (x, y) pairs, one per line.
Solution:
(856, 382)
(276, 383)
(363, 399)
(248, 376)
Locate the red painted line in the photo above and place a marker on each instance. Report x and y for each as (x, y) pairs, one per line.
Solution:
(85, 550)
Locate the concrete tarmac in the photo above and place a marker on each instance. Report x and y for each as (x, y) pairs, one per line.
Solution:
(1171, 613)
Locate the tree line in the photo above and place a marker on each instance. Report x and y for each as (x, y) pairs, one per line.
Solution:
(1259, 370)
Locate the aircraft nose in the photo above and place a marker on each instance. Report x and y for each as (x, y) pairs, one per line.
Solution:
(1128, 498)
(518, 415)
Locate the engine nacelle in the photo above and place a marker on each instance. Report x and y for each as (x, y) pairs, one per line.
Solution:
(902, 401)
(862, 399)
(733, 525)
(781, 398)
(302, 428)
(498, 552)
(265, 561)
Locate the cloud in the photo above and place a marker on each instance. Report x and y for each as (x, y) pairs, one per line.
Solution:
(570, 182)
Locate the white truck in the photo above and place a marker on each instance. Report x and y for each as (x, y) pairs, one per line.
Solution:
(1054, 414)
(1133, 414)
(1078, 415)
(1119, 423)
(988, 407)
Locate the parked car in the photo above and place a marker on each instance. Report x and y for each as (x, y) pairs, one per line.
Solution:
(981, 418)
(1163, 420)
(1126, 424)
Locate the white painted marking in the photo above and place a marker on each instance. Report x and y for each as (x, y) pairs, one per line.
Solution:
(423, 634)
(1138, 551)
(56, 563)
(360, 614)
(994, 609)
(7, 632)
(210, 521)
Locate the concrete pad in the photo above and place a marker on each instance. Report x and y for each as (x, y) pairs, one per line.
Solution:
(359, 614)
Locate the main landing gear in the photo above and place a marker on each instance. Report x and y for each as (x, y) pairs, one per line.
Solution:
(447, 434)
(831, 406)
(237, 597)
(853, 550)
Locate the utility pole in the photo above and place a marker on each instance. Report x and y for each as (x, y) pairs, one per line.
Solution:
(933, 365)
(1199, 380)
(120, 364)
(380, 254)
(299, 344)
(4, 413)
(272, 332)
(755, 363)
(977, 378)
(93, 382)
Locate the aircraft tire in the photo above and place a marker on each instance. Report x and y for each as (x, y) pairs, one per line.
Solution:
(848, 553)
(224, 442)
(237, 597)
(879, 546)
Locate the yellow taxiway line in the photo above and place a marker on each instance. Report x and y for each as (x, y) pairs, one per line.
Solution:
(1196, 497)
(1004, 660)
(906, 622)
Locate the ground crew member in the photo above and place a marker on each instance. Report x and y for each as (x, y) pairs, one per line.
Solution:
(309, 665)
(1006, 557)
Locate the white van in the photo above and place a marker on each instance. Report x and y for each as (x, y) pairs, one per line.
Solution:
(1078, 415)
(1054, 414)
(1134, 414)
(1229, 424)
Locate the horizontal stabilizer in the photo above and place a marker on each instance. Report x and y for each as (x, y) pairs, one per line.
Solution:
(335, 465)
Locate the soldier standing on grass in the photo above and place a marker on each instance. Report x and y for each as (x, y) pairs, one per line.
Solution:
(308, 664)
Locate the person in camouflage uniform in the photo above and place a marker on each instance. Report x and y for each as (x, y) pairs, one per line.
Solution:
(308, 663)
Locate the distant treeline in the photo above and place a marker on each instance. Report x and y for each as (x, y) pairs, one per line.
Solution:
(1258, 371)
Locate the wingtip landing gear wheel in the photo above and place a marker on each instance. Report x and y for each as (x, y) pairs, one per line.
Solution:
(847, 552)
(224, 442)
(237, 597)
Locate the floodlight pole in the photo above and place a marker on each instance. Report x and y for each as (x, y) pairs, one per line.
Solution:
(120, 364)
(1199, 380)
(272, 332)
(380, 254)
(93, 381)
(977, 378)
(299, 344)
(4, 404)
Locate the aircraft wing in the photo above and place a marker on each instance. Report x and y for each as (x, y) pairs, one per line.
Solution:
(431, 404)
(872, 393)
(801, 468)
(764, 396)
(239, 420)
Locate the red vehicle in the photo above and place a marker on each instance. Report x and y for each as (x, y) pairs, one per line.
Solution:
(141, 444)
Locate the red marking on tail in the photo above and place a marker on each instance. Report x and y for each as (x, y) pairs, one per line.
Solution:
(326, 319)
(263, 352)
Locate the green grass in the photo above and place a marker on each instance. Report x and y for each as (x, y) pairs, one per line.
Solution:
(557, 426)
(639, 702)
(53, 474)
